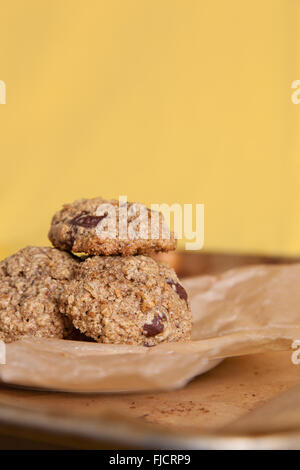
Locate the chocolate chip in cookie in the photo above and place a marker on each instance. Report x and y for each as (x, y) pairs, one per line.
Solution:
(179, 289)
(153, 328)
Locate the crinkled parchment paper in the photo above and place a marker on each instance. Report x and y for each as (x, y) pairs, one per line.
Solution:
(244, 311)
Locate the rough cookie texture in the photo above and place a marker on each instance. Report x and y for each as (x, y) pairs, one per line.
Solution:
(74, 228)
(31, 283)
(132, 300)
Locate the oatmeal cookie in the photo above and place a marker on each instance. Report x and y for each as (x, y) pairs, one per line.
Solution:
(131, 300)
(100, 227)
(31, 283)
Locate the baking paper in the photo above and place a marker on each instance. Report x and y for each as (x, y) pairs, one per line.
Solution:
(243, 311)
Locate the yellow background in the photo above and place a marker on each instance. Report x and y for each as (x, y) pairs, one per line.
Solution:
(163, 100)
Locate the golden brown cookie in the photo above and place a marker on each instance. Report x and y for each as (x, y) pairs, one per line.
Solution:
(131, 300)
(98, 227)
(31, 283)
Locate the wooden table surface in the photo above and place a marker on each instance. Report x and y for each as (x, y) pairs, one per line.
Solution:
(209, 402)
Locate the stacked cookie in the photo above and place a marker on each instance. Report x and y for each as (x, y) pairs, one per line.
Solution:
(115, 293)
